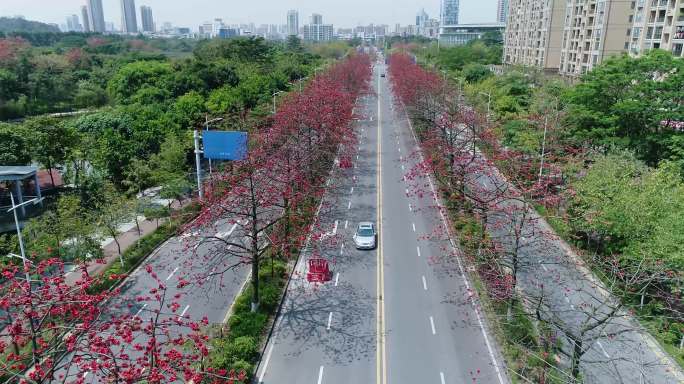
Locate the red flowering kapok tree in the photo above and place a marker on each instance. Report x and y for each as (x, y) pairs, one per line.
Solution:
(268, 195)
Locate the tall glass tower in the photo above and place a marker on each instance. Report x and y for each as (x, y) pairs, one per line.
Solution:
(449, 12)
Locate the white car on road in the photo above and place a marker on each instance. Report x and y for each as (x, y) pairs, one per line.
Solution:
(365, 235)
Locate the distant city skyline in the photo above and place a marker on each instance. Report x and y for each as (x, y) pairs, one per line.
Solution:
(349, 13)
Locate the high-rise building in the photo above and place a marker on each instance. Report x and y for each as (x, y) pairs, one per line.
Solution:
(534, 33)
(318, 32)
(449, 12)
(292, 22)
(86, 18)
(146, 18)
(501, 11)
(72, 24)
(316, 19)
(96, 15)
(129, 22)
(593, 30)
(656, 24)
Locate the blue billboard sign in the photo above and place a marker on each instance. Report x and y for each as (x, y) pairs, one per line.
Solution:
(225, 145)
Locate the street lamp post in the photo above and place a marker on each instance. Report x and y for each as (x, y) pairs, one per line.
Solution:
(25, 263)
(489, 101)
(16, 223)
(274, 100)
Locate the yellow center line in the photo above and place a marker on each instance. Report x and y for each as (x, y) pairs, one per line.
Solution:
(381, 363)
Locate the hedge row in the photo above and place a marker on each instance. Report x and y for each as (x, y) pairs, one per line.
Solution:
(238, 349)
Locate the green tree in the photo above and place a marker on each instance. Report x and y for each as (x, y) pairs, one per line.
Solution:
(51, 142)
(632, 103)
(14, 146)
(113, 209)
(136, 77)
(189, 109)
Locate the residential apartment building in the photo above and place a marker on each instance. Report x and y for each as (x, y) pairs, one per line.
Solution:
(96, 16)
(147, 19)
(292, 22)
(593, 30)
(533, 34)
(318, 32)
(657, 24)
(86, 18)
(129, 22)
(501, 11)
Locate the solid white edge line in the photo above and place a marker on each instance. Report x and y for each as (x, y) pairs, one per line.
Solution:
(432, 325)
(320, 375)
(458, 260)
(268, 359)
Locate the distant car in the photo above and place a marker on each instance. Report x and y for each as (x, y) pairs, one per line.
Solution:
(365, 236)
(382, 75)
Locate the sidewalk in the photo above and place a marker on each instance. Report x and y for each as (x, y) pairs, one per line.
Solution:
(127, 238)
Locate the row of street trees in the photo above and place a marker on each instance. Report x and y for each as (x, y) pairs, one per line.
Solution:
(58, 332)
(492, 192)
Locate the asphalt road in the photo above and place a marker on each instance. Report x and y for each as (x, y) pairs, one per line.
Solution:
(398, 314)
(183, 257)
(619, 351)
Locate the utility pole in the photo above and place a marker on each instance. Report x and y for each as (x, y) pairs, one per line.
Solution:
(543, 149)
(489, 101)
(198, 165)
(274, 100)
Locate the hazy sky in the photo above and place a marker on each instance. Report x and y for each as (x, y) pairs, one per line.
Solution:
(190, 13)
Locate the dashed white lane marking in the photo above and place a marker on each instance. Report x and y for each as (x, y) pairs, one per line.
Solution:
(172, 273)
(572, 307)
(352, 190)
(320, 375)
(418, 250)
(268, 359)
(334, 232)
(329, 320)
(424, 284)
(346, 223)
(603, 349)
(337, 278)
(357, 157)
(184, 311)
(349, 205)
(140, 310)
(410, 208)
(432, 325)
(567, 300)
(441, 377)
(402, 167)
(407, 192)
(414, 226)
(399, 149)
(342, 248)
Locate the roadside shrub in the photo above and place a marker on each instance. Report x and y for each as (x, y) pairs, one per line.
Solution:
(247, 324)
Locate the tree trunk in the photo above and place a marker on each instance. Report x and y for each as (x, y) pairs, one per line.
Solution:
(255, 250)
(576, 356)
(52, 178)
